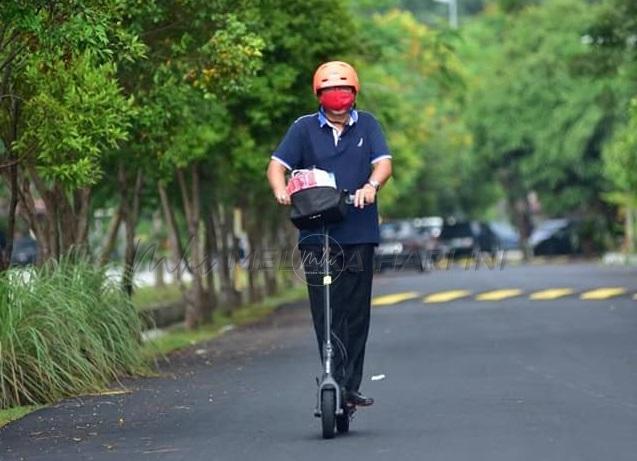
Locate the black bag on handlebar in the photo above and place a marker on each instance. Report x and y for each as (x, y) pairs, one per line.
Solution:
(317, 206)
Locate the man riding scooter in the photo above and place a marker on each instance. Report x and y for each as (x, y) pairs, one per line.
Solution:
(349, 144)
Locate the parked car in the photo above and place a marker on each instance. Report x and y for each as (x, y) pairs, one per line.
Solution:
(401, 246)
(555, 237)
(25, 251)
(467, 238)
(429, 225)
(507, 237)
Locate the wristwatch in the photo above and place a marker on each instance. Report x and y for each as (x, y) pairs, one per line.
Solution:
(375, 184)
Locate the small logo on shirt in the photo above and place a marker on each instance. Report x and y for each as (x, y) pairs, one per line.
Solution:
(360, 143)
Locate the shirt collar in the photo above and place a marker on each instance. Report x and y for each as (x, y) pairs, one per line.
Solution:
(322, 117)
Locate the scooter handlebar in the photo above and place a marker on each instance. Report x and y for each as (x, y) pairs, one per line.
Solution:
(349, 199)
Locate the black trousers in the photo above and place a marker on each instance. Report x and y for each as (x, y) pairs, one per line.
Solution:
(352, 269)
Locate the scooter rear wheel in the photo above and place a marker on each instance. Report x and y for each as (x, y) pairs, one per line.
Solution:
(328, 412)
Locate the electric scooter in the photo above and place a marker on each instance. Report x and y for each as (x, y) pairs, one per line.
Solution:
(330, 404)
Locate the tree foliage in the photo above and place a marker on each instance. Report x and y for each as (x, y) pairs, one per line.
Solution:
(74, 114)
(621, 159)
(540, 118)
(413, 82)
(105, 103)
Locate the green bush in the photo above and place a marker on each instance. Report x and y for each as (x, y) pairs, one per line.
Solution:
(65, 329)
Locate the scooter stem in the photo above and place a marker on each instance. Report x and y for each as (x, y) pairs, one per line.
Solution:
(328, 352)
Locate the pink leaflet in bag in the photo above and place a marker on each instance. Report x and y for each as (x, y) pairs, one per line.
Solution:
(307, 178)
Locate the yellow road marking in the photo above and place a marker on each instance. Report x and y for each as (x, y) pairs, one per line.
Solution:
(394, 298)
(445, 296)
(553, 293)
(603, 293)
(498, 295)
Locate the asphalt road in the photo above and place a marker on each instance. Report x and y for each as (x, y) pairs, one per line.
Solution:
(496, 377)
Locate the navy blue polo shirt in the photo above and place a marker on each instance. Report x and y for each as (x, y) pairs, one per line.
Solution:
(312, 141)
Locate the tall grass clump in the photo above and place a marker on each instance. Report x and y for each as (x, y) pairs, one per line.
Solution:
(65, 329)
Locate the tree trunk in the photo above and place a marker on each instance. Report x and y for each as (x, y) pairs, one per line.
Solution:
(130, 200)
(13, 204)
(173, 233)
(158, 261)
(198, 245)
(271, 263)
(255, 291)
(29, 213)
(65, 219)
(45, 229)
(229, 296)
(63, 228)
(199, 311)
(518, 206)
(210, 251)
(82, 209)
(111, 237)
(522, 219)
(630, 229)
(14, 110)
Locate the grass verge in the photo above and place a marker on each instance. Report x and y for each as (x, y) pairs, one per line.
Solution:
(11, 414)
(65, 329)
(180, 338)
(149, 297)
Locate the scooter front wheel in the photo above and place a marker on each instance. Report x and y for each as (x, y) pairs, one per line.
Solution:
(328, 412)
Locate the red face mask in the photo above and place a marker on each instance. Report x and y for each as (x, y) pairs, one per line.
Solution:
(337, 100)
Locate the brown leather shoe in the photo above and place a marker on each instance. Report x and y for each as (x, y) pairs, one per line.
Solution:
(355, 398)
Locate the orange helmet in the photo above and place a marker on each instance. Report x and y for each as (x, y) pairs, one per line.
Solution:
(335, 73)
